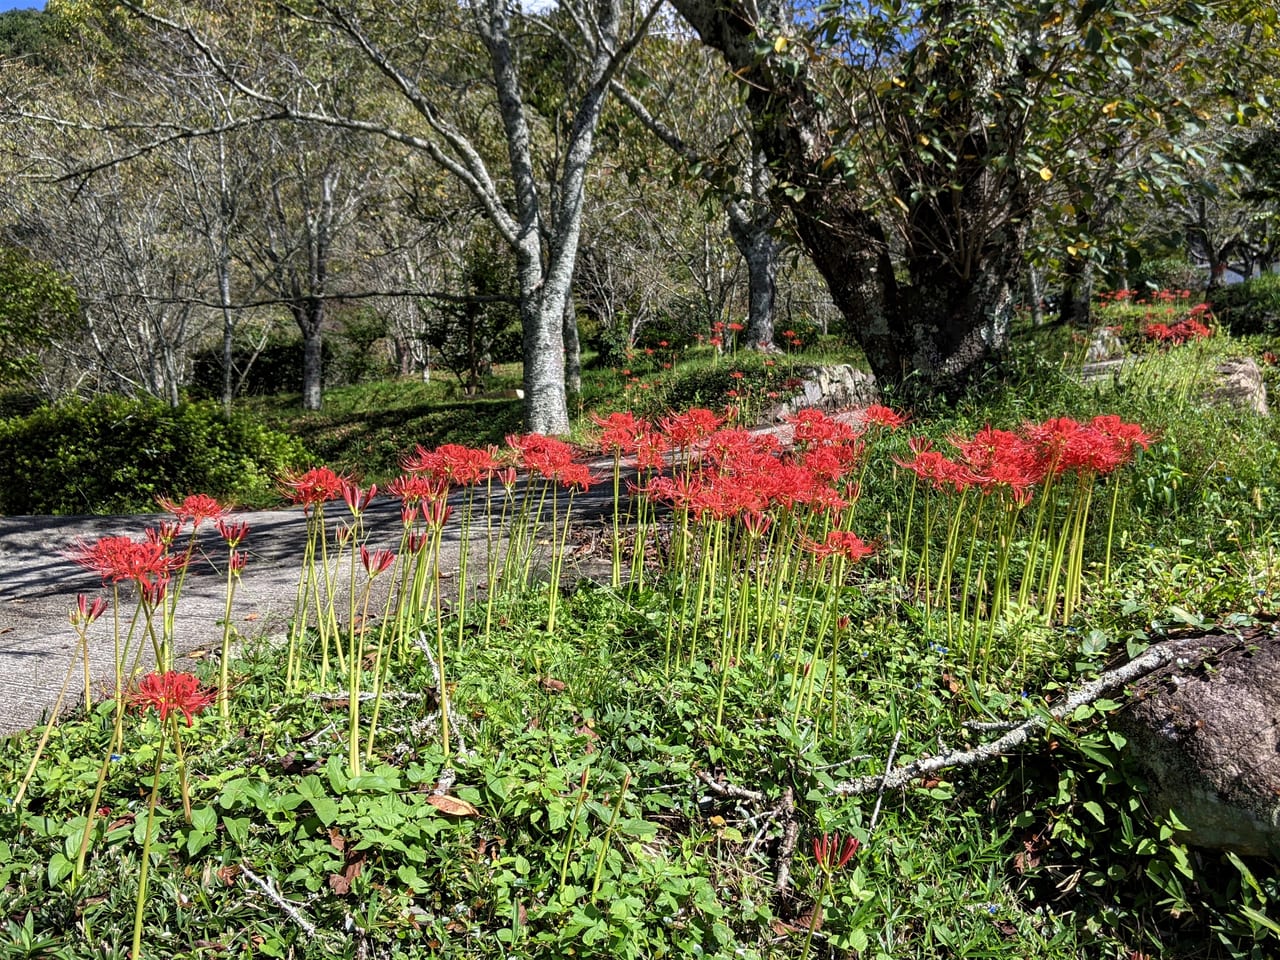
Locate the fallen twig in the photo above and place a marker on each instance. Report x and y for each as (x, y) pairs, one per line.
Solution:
(1156, 657)
(267, 887)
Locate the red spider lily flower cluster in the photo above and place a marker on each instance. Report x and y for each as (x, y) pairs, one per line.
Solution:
(86, 611)
(313, 487)
(171, 692)
(840, 543)
(550, 458)
(117, 559)
(197, 508)
(1183, 331)
(453, 464)
(623, 434)
(882, 416)
(834, 852)
(994, 460)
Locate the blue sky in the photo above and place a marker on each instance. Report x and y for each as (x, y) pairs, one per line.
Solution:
(21, 5)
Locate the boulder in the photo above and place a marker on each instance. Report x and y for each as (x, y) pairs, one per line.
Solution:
(1238, 382)
(1206, 733)
(830, 388)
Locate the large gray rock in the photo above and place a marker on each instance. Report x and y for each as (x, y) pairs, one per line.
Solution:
(1238, 382)
(830, 388)
(1207, 734)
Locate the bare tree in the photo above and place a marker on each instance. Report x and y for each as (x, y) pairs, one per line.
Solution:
(540, 221)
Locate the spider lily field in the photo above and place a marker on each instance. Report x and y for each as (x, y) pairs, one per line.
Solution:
(637, 737)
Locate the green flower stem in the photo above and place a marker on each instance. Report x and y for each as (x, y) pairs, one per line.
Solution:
(136, 952)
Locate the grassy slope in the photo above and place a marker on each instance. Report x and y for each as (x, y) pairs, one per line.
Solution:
(1008, 861)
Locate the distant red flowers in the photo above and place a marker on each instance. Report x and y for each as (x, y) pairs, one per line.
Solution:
(1182, 332)
(171, 692)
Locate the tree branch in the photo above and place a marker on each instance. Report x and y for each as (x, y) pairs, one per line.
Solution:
(1153, 659)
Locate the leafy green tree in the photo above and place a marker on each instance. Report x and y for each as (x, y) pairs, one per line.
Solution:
(913, 140)
(37, 304)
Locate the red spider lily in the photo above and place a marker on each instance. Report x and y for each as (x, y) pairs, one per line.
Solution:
(506, 476)
(543, 455)
(375, 561)
(357, 500)
(833, 853)
(313, 487)
(841, 543)
(736, 328)
(413, 488)
(882, 416)
(812, 426)
(409, 514)
(1181, 332)
(1127, 435)
(622, 434)
(1002, 459)
(418, 541)
(651, 451)
(757, 524)
(436, 512)
(86, 611)
(165, 534)
(575, 475)
(1088, 448)
(232, 533)
(171, 692)
(197, 508)
(236, 561)
(453, 463)
(685, 429)
(932, 466)
(830, 462)
(154, 590)
(121, 558)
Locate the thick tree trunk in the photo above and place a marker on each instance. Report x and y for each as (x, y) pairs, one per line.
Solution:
(760, 251)
(546, 407)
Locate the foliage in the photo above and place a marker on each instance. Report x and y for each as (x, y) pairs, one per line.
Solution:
(37, 304)
(1250, 307)
(585, 806)
(116, 455)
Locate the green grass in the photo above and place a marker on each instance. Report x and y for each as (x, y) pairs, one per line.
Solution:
(601, 809)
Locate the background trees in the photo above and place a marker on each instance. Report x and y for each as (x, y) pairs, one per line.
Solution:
(190, 166)
(913, 142)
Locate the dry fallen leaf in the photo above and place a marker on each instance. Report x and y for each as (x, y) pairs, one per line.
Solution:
(452, 806)
(552, 684)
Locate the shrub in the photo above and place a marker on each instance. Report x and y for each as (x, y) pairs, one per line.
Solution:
(1251, 307)
(116, 455)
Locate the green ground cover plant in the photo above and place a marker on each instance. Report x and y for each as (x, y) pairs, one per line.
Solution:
(668, 744)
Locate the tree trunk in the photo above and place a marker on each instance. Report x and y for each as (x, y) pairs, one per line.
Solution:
(760, 251)
(572, 348)
(310, 317)
(1035, 289)
(228, 336)
(546, 407)
(1077, 293)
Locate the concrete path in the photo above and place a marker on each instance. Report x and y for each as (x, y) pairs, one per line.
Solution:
(39, 585)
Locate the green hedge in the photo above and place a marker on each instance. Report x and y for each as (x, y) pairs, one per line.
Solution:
(116, 455)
